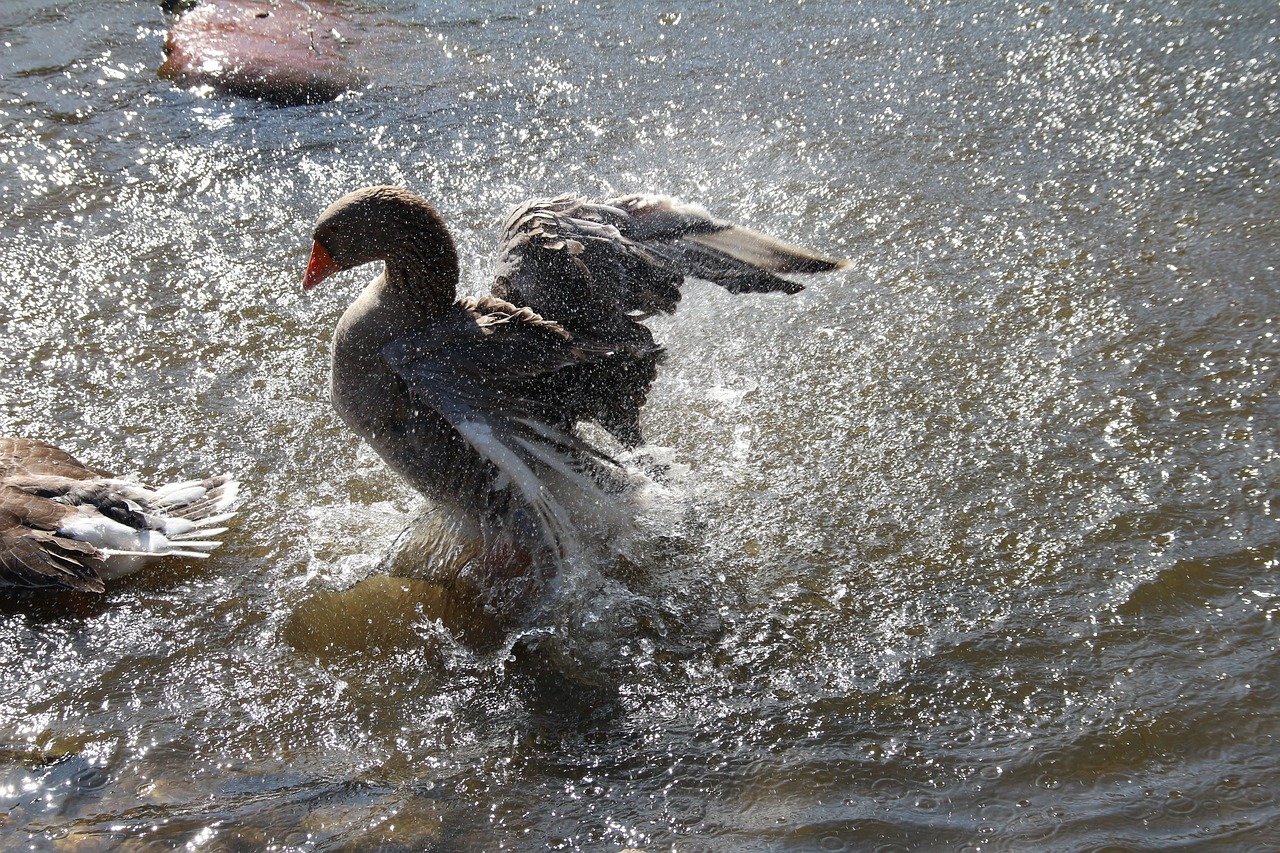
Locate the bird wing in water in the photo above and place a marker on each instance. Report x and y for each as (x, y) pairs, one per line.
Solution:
(64, 524)
(32, 554)
(507, 382)
(36, 559)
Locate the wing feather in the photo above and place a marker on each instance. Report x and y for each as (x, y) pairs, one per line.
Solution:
(599, 266)
(36, 559)
(506, 388)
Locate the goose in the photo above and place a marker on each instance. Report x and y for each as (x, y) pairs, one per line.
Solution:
(66, 525)
(474, 400)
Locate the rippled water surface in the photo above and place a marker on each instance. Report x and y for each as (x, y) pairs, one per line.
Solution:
(973, 546)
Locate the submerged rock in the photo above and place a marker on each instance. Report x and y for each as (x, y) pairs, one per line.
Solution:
(286, 52)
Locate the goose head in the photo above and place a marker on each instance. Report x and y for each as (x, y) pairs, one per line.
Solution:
(393, 225)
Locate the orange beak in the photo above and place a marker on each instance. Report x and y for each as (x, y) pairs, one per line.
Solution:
(320, 267)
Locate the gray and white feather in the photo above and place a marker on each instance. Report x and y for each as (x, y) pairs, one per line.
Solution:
(64, 524)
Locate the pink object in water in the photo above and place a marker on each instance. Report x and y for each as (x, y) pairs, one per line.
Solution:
(287, 53)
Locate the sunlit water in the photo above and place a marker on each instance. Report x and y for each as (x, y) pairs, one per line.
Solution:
(971, 547)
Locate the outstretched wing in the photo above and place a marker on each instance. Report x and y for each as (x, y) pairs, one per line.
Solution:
(599, 266)
(511, 386)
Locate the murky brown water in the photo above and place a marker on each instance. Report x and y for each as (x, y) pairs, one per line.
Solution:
(973, 547)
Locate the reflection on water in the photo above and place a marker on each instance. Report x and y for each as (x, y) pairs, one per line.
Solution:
(971, 548)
